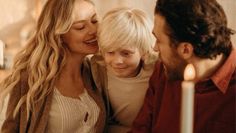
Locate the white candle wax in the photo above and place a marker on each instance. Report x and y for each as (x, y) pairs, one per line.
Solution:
(187, 100)
(187, 106)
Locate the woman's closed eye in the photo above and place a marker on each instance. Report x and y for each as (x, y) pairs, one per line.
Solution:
(94, 21)
(80, 27)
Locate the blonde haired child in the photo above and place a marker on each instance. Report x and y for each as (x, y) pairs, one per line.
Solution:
(125, 63)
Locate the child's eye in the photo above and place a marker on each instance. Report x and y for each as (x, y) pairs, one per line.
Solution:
(110, 53)
(126, 54)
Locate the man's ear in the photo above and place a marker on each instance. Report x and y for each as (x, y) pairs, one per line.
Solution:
(185, 50)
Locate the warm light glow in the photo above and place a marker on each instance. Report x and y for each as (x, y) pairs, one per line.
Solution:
(189, 72)
(1, 54)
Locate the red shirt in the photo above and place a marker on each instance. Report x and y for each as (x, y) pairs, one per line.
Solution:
(214, 105)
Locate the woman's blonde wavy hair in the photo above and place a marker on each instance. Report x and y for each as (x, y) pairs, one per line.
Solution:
(43, 57)
(125, 26)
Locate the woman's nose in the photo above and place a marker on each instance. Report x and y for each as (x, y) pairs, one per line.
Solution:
(93, 29)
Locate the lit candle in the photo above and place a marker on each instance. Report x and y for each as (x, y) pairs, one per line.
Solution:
(187, 101)
(1, 54)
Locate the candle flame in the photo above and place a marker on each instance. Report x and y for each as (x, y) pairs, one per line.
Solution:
(189, 72)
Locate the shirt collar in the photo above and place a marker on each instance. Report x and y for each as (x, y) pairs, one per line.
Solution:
(223, 75)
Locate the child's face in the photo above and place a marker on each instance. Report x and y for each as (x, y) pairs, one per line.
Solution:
(123, 62)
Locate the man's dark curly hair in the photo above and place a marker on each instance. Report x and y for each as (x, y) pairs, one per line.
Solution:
(200, 22)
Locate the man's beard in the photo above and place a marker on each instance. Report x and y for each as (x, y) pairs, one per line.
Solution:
(176, 70)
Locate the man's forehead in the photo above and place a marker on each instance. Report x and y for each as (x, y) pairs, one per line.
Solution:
(159, 20)
(158, 24)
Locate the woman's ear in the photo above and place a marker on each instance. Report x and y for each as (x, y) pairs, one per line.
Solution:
(185, 50)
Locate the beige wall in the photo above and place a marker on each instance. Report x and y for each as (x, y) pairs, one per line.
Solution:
(230, 9)
(104, 5)
(17, 16)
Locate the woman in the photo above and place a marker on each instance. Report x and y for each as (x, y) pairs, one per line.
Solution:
(50, 86)
(126, 62)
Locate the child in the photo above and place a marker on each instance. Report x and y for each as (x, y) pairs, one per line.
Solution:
(125, 42)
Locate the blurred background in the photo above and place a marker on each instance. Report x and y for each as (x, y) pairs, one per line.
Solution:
(18, 18)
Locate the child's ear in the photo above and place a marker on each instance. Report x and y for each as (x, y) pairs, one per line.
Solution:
(185, 50)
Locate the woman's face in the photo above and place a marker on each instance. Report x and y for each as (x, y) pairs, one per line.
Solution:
(81, 38)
